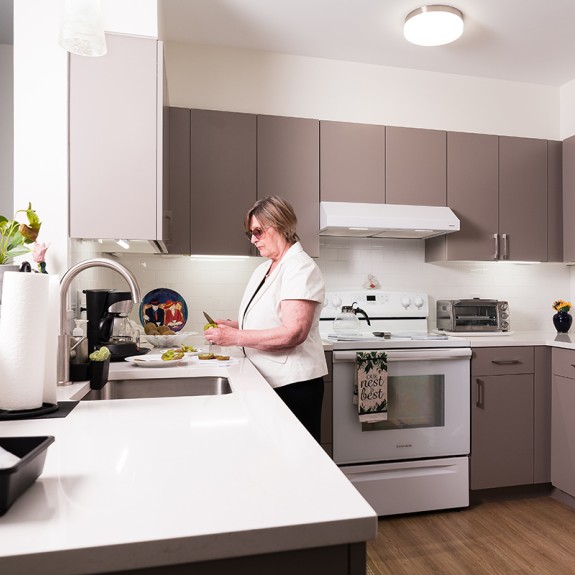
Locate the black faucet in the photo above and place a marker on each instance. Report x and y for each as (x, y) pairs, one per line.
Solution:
(359, 310)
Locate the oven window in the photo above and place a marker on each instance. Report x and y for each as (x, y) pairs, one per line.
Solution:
(413, 401)
(485, 315)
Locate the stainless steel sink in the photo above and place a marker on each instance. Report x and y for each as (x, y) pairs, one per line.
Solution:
(166, 387)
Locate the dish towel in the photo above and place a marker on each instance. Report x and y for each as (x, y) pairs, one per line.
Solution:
(370, 389)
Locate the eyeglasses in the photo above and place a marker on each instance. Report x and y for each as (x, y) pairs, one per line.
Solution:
(257, 233)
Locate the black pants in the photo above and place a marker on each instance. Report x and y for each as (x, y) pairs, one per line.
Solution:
(304, 398)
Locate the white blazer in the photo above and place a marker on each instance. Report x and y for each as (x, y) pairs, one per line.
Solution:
(295, 277)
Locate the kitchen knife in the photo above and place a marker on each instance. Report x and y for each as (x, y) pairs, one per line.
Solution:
(208, 317)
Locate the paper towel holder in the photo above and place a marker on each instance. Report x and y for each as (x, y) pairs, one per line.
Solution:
(63, 365)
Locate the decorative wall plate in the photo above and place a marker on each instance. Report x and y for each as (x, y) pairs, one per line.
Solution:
(164, 307)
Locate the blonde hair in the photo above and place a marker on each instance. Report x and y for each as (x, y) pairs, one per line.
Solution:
(274, 212)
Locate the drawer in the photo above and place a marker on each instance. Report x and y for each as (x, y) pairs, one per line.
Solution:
(563, 361)
(502, 360)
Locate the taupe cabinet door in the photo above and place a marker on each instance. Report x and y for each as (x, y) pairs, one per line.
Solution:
(563, 422)
(115, 145)
(288, 166)
(415, 166)
(507, 194)
(502, 417)
(568, 199)
(472, 193)
(222, 180)
(554, 201)
(178, 235)
(352, 162)
(523, 198)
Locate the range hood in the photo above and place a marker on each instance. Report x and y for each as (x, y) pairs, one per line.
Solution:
(358, 220)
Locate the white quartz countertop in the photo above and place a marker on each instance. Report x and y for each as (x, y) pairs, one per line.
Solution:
(144, 482)
(521, 338)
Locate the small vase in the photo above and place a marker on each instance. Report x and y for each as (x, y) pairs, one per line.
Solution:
(562, 321)
(99, 373)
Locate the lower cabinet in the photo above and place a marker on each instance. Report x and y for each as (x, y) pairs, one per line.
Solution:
(327, 408)
(510, 417)
(563, 422)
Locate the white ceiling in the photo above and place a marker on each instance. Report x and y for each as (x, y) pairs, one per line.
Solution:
(518, 40)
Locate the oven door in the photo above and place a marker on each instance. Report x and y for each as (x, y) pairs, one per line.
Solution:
(428, 407)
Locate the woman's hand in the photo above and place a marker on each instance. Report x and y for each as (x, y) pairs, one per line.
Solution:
(297, 317)
(223, 335)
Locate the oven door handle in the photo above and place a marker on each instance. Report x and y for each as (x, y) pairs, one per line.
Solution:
(409, 354)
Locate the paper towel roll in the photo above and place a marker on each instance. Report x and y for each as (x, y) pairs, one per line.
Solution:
(50, 369)
(23, 339)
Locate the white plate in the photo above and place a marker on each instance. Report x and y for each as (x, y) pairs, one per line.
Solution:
(155, 360)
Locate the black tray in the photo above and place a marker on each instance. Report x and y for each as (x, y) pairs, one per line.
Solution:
(26, 413)
(16, 479)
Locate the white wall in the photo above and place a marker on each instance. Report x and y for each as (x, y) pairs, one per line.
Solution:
(276, 84)
(266, 83)
(6, 130)
(41, 109)
(567, 106)
(216, 285)
(245, 81)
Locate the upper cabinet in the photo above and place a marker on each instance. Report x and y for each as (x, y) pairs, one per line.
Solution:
(506, 193)
(352, 162)
(472, 183)
(523, 199)
(288, 166)
(554, 201)
(415, 166)
(222, 180)
(117, 142)
(568, 199)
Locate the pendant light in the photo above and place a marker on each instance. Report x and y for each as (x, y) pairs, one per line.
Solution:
(433, 25)
(82, 31)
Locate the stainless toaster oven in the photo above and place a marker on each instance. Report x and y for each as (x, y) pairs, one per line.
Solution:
(472, 315)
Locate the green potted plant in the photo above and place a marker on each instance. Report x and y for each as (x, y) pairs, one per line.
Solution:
(15, 237)
(99, 367)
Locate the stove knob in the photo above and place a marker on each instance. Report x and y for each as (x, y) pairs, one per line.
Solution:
(336, 301)
(418, 301)
(405, 302)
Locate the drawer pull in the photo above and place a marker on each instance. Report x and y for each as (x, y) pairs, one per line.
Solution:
(480, 391)
(506, 361)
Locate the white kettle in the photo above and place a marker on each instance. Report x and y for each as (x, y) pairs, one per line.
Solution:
(347, 322)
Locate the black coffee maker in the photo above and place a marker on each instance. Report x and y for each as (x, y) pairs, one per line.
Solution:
(108, 324)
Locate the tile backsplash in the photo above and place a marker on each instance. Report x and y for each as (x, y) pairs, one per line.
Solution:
(217, 284)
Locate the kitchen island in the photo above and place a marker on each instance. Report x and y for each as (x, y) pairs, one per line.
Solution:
(232, 480)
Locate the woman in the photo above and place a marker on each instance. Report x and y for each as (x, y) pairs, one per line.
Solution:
(278, 325)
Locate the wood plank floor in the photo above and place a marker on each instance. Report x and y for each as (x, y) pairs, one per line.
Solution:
(530, 536)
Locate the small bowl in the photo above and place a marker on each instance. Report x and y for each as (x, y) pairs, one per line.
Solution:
(167, 340)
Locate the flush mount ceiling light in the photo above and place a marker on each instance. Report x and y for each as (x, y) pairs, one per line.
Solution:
(433, 25)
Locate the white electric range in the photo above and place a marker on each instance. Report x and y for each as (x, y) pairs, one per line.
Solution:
(417, 460)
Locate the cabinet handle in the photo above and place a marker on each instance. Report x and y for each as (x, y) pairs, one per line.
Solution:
(496, 254)
(505, 246)
(505, 361)
(480, 393)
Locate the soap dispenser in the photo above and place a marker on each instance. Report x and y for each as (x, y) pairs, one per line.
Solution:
(79, 343)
